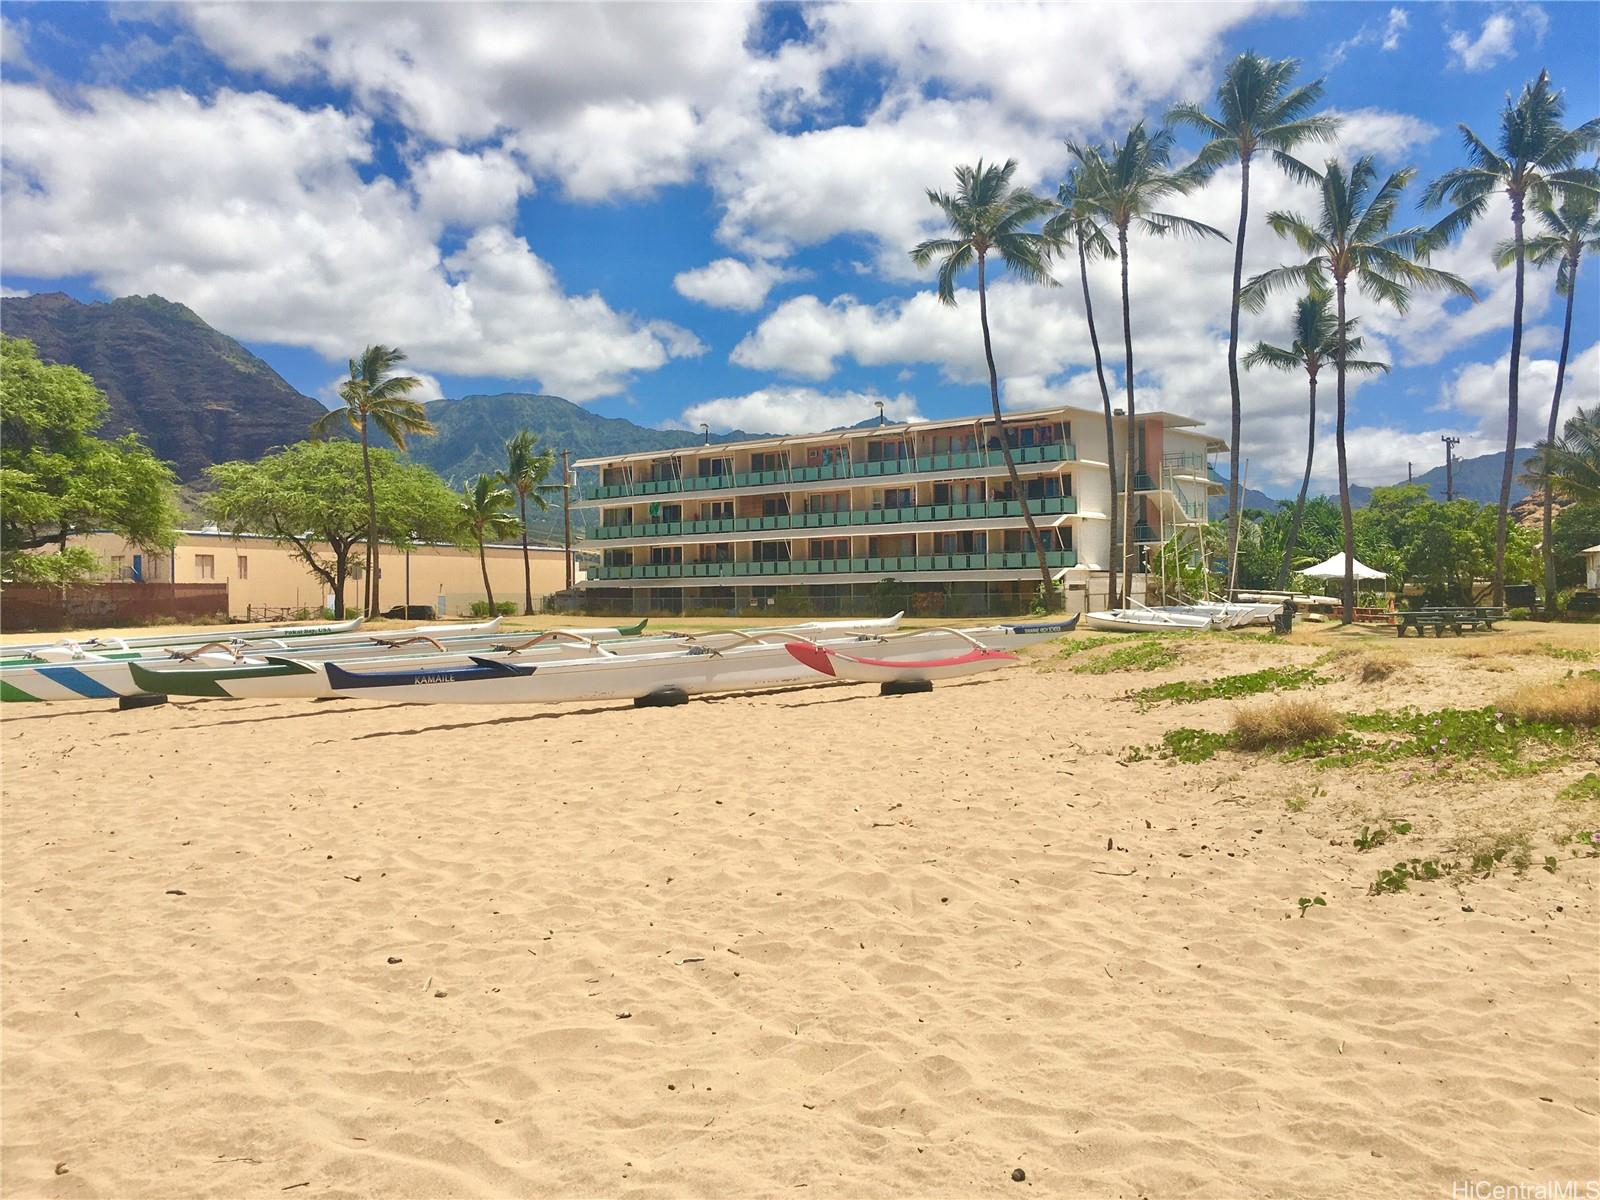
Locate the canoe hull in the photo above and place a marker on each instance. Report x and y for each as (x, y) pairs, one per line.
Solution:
(694, 672)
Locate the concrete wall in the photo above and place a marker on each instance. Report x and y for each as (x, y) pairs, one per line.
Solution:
(261, 573)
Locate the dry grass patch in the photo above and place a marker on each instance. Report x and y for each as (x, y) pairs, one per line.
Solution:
(1574, 702)
(1280, 723)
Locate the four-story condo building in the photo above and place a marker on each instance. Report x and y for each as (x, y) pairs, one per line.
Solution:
(816, 522)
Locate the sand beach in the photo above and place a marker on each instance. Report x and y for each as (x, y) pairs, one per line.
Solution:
(799, 943)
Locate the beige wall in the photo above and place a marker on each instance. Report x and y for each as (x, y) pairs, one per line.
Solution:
(261, 573)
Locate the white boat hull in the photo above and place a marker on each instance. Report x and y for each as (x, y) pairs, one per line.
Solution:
(1124, 620)
(504, 680)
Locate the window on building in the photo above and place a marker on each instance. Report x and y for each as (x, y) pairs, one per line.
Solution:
(766, 461)
(244, 566)
(775, 506)
(717, 511)
(828, 502)
(666, 556)
(205, 566)
(897, 498)
(965, 542)
(828, 548)
(770, 551)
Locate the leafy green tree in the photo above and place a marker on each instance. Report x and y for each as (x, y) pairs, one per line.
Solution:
(1534, 164)
(375, 395)
(986, 215)
(483, 512)
(1121, 185)
(1074, 224)
(302, 496)
(1576, 528)
(1351, 240)
(1315, 344)
(1257, 109)
(527, 467)
(1447, 549)
(58, 480)
(1566, 234)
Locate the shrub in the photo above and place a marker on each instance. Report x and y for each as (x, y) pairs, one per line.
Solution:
(505, 608)
(1280, 723)
(1574, 702)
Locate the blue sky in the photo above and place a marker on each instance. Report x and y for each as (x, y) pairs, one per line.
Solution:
(679, 213)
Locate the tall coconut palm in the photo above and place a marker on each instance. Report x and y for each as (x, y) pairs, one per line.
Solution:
(525, 472)
(1075, 224)
(1351, 239)
(1121, 185)
(484, 514)
(986, 215)
(1315, 344)
(1257, 109)
(1534, 165)
(1567, 232)
(375, 395)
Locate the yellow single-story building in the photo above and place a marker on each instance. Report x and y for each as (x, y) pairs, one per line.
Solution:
(267, 578)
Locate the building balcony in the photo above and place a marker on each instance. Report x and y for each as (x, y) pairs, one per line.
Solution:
(986, 511)
(808, 569)
(931, 464)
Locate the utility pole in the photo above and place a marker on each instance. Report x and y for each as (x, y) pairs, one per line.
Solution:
(1408, 471)
(1450, 444)
(566, 514)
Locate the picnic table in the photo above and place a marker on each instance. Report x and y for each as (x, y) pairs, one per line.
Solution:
(1454, 619)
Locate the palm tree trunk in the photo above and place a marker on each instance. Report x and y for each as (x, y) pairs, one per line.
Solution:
(1305, 485)
(1348, 592)
(1550, 437)
(483, 565)
(372, 522)
(1132, 439)
(1511, 414)
(1005, 447)
(1105, 400)
(1234, 497)
(527, 572)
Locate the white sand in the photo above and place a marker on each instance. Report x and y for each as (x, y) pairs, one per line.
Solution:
(809, 942)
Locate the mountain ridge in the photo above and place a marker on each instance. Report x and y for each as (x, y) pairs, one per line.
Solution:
(195, 395)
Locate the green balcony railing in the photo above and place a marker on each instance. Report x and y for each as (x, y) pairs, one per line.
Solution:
(900, 564)
(970, 460)
(979, 511)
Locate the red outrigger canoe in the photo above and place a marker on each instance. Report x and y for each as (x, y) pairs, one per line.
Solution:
(876, 670)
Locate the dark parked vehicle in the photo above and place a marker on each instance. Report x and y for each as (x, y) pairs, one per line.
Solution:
(414, 612)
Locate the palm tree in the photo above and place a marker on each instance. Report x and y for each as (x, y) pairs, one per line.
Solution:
(985, 215)
(375, 394)
(1315, 345)
(525, 473)
(485, 513)
(1351, 239)
(1256, 110)
(1120, 186)
(1534, 165)
(1568, 232)
(1075, 223)
(1570, 465)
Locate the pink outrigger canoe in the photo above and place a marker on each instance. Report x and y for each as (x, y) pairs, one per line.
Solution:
(876, 670)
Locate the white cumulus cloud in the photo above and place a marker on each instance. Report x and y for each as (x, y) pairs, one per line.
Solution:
(731, 283)
(797, 410)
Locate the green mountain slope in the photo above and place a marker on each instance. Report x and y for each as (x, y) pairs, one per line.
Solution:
(196, 396)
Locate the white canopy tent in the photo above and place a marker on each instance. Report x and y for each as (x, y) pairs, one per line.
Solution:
(1334, 569)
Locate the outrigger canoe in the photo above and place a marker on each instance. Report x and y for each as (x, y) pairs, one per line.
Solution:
(763, 661)
(280, 677)
(92, 676)
(836, 664)
(134, 647)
